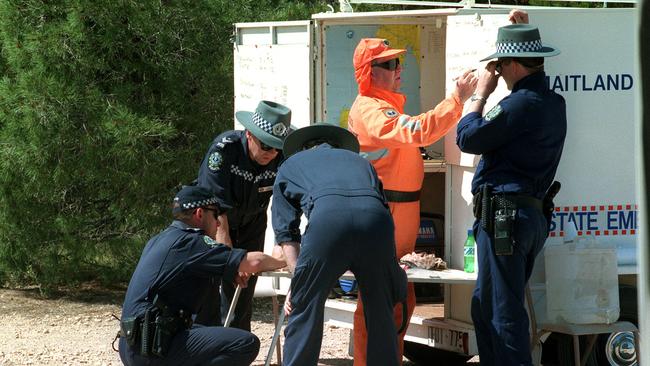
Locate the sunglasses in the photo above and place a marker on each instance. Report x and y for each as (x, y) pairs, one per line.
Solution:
(389, 65)
(264, 146)
(500, 62)
(215, 212)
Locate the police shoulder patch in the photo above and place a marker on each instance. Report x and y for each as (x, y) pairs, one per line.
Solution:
(493, 113)
(214, 161)
(390, 113)
(209, 241)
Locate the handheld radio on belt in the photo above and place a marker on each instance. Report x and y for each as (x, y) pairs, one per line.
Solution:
(497, 213)
(486, 208)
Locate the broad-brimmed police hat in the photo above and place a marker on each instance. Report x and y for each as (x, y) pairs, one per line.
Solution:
(323, 132)
(191, 197)
(271, 122)
(521, 40)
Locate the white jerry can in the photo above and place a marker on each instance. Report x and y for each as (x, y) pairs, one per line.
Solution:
(581, 283)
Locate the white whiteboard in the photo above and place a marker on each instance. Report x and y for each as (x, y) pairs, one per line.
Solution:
(266, 70)
(470, 38)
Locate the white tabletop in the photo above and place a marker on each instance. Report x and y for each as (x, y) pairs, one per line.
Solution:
(414, 275)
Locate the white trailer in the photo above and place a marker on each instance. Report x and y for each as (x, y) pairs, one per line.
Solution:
(307, 65)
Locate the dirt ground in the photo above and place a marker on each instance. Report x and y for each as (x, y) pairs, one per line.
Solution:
(77, 328)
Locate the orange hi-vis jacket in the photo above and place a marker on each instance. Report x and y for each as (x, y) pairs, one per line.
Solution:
(390, 139)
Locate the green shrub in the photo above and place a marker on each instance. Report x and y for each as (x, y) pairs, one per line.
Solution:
(105, 109)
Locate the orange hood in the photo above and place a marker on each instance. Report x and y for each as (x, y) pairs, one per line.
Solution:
(368, 50)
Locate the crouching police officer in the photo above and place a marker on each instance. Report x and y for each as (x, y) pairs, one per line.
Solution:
(175, 270)
(350, 227)
(521, 141)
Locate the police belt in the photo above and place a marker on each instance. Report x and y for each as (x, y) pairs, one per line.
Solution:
(151, 334)
(521, 201)
(508, 199)
(401, 196)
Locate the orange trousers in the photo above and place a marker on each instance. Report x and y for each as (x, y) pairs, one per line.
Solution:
(407, 222)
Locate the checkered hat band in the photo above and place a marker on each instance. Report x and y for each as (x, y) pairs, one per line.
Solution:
(267, 126)
(518, 47)
(201, 203)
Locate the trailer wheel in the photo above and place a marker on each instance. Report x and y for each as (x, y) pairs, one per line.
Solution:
(422, 354)
(618, 348)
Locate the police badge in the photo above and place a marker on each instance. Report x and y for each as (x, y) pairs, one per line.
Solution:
(214, 161)
(493, 113)
(209, 241)
(279, 129)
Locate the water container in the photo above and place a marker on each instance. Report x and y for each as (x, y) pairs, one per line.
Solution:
(581, 283)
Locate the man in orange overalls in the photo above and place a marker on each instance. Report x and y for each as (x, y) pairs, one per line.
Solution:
(391, 141)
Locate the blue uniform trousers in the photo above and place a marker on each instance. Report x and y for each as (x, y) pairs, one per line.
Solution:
(215, 346)
(344, 233)
(498, 311)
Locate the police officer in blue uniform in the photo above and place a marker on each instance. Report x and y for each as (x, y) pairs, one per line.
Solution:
(175, 271)
(349, 227)
(520, 141)
(240, 167)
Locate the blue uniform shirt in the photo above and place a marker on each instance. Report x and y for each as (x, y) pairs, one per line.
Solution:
(234, 177)
(179, 264)
(520, 139)
(292, 186)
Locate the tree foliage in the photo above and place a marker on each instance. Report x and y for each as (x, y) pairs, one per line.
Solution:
(105, 109)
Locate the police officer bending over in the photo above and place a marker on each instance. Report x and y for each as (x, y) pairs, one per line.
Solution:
(350, 227)
(175, 270)
(240, 167)
(521, 142)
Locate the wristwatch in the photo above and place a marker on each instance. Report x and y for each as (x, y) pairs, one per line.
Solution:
(475, 97)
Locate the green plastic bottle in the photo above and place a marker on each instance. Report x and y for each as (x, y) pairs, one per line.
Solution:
(468, 251)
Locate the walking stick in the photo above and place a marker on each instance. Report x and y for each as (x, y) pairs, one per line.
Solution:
(231, 311)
